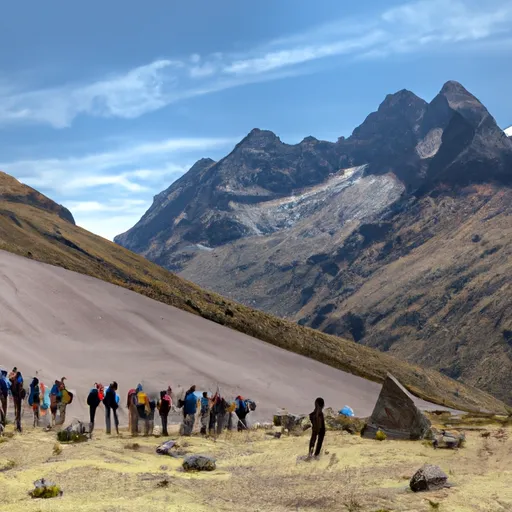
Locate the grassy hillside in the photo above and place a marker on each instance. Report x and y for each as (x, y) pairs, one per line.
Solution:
(34, 229)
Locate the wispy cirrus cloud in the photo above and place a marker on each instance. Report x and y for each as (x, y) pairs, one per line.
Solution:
(109, 191)
(411, 27)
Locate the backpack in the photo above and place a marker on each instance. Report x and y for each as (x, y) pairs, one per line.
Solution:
(67, 397)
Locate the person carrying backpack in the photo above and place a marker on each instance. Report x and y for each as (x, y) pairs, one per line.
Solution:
(111, 403)
(93, 401)
(164, 407)
(242, 410)
(34, 399)
(205, 412)
(4, 394)
(18, 395)
(189, 411)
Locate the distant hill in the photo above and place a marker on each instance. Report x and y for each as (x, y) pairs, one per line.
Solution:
(398, 237)
(33, 227)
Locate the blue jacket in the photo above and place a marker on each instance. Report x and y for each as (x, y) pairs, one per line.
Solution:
(190, 406)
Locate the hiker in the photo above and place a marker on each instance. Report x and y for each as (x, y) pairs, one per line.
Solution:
(318, 428)
(144, 409)
(189, 411)
(149, 423)
(111, 403)
(18, 395)
(66, 397)
(133, 415)
(217, 414)
(55, 399)
(242, 410)
(205, 412)
(93, 401)
(34, 399)
(164, 407)
(5, 386)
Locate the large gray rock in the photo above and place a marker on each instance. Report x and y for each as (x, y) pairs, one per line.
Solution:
(396, 414)
(428, 478)
(199, 463)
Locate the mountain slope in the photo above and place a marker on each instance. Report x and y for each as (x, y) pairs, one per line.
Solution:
(372, 208)
(27, 230)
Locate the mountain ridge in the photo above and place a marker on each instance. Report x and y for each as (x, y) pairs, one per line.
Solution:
(297, 230)
(40, 234)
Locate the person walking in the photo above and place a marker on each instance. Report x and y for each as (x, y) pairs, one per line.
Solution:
(111, 403)
(94, 399)
(164, 407)
(18, 395)
(318, 429)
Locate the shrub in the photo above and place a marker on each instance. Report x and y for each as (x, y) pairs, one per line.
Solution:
(57, 449)
(64, 436)
(380, 435)
(46, 492)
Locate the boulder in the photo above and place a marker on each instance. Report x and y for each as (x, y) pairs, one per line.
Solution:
(199, 463)
(450, 440)
(396, 414)
(428, 478)
(289, 422)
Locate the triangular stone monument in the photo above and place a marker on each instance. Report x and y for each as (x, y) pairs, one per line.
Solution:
(396, 414)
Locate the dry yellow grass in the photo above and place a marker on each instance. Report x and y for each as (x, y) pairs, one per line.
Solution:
(31, 228)
(255, 473)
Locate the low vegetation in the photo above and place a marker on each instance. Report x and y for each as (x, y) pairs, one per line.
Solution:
(30, 231)
(257, 472)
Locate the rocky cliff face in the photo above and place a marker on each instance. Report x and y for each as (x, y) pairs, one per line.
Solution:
(398, 236)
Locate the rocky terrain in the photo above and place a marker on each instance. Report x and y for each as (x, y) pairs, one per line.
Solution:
(398, 236)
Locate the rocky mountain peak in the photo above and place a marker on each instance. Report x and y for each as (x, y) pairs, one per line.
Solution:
(259, 139)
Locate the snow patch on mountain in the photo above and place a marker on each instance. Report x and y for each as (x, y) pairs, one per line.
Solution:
(348, 194)
(508, 131)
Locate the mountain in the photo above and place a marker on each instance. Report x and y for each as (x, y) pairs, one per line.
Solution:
(37, 228)
(398, 237)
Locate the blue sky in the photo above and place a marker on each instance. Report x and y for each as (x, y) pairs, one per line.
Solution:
(104, 104)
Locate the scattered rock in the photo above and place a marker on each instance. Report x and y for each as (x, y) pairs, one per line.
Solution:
(45, 489)
(164, 468)
(450, 440)
(428, 478)
(199, 463)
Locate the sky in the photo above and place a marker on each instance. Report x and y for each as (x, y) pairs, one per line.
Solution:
(105, 104)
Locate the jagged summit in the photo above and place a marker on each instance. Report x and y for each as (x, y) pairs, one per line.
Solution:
(257, 138)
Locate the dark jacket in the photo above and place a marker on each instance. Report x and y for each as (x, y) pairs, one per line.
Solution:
(317, 421)
(164, 405)
(4, 390)
(93, 399)
(110, 399)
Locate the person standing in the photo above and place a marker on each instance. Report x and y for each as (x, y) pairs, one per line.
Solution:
(164, 407)
(189, 411)
(205, 413)
(111, 403)
(34, 399)
(18, 395)
(93, 401)
(4, 394)
(317, 429)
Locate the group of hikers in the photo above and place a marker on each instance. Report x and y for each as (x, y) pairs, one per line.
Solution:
(40, 398)
(214, 412)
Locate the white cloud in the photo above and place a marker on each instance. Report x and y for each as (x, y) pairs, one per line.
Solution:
(423, 25)
(123, 167)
